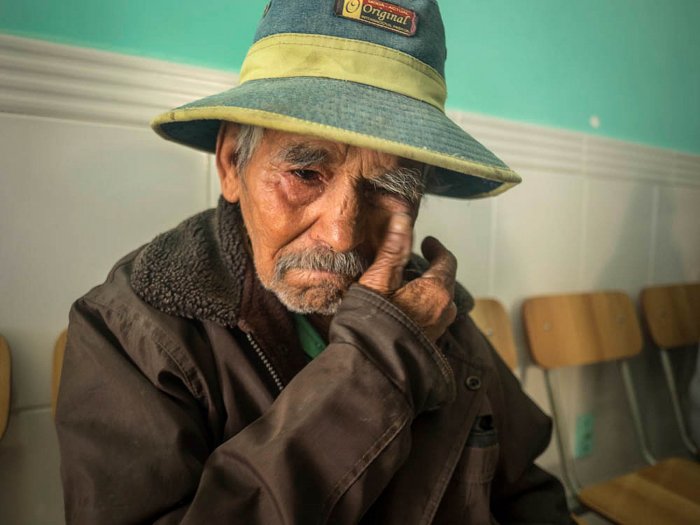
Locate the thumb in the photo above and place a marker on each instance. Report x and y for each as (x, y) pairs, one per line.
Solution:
(386, 272)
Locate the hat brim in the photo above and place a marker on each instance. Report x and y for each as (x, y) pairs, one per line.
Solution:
(350, 113)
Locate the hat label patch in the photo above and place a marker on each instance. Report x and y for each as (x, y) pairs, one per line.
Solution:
(379, 14)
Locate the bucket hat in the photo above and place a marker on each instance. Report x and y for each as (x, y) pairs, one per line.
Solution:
(367, 73)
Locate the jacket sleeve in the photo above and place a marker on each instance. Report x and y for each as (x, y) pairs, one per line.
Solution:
(136, 446)
(521, 491)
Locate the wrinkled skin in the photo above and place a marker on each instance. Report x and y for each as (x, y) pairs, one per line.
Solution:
(289, 208)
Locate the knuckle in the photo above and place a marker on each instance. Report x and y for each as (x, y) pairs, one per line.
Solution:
(447, 316)
(392, 247)
(442, 298)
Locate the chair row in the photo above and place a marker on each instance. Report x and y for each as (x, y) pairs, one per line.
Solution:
(579, 329)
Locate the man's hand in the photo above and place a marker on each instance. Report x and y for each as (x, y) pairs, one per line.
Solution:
(428, 300)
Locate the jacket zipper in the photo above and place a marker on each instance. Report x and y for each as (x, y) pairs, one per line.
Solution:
(265, 361)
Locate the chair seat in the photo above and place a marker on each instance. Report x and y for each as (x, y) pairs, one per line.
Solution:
(665, 493)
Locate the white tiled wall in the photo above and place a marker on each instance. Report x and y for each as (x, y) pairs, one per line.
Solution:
(618, 223)
(76, 196)
(77, 193)
(677, 249)
(538, 236)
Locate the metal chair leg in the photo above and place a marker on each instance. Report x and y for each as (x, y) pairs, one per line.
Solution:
(673, 390)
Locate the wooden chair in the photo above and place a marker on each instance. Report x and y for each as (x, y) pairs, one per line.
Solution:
(5, 383)
(579, 329)
(58, 351)
(672, 316)
(492, 319)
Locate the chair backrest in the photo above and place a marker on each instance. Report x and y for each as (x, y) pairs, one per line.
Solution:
(58, 351)
(492, 319)
(5, 378)
(578, 329)
(672, 314)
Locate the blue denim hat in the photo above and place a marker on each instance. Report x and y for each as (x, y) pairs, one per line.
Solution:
(368, 73)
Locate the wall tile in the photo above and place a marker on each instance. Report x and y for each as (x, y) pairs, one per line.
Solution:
(618, 227)
(677, 250)
(77, 197)
(538, 237)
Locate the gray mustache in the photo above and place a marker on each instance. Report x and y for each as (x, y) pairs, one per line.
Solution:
(350, 264)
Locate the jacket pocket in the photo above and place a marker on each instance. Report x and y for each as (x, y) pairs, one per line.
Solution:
(474, 474)
(480, 457)
(467, 499)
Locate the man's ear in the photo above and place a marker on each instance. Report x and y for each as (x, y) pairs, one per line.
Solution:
(225, 162)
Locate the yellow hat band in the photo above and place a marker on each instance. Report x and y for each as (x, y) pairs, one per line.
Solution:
(302, 55)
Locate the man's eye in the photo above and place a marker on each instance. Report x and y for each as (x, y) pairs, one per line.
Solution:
(306, 175)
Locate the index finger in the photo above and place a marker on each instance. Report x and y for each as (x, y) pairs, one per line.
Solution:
(384, 274)
(443, 264)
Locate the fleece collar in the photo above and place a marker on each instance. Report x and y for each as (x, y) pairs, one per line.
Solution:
(201, 270)
(196, 270)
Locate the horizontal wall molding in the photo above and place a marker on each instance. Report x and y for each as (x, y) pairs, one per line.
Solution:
(45, 79)
(51, 80)
(531, 148)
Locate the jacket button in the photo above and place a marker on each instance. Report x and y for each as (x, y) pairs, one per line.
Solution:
(473, 383)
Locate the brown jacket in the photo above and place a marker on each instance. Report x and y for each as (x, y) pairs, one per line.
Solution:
(185, 398)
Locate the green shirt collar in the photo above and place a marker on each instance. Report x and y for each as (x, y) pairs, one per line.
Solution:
(311, 341)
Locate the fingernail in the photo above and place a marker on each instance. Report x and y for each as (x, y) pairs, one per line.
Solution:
(400, 223)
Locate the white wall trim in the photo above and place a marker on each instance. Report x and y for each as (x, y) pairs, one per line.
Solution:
(52, 80)
(44, 79)
(533, 148)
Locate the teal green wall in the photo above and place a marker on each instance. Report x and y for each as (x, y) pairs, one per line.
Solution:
(633, 63)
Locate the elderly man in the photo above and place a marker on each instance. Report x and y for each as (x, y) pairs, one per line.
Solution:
(284, 358)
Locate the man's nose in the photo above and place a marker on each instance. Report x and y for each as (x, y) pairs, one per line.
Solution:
(341, 222)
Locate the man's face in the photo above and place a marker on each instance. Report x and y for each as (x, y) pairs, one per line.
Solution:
(315, 211)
